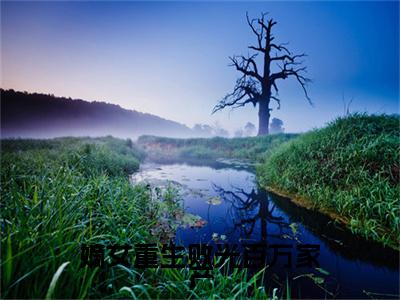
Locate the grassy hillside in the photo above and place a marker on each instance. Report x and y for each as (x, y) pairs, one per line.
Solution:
(350, 168)
(252, 148)
(58, 194)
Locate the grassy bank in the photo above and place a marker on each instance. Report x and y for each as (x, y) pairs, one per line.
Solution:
(251, 148)
(350, 168)
(57, 194)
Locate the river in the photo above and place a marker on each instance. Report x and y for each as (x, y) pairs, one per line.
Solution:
(237, 211)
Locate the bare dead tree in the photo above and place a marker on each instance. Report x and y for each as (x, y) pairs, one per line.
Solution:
(256, 85)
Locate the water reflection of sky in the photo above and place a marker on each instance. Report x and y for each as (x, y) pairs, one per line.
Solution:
(247, 214)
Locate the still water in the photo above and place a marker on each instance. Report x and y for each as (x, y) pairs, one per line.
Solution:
(237, 211)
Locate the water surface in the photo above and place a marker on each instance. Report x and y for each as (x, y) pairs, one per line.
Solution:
(237, 211)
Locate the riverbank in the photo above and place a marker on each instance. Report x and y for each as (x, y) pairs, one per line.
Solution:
(349, 168)
(60, 194)
(307, 204)
(56, 195)
(253, 149)
(236, 210)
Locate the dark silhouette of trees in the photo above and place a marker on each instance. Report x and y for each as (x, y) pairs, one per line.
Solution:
(258, 81)
(219, 131)
(276, 126)
(238, 133)
(202, 130)
(249, 129)
(36, 115)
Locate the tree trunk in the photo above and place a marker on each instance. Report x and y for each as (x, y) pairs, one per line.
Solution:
(263, 118)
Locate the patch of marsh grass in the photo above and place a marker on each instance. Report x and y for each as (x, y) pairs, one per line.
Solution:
(351, 166)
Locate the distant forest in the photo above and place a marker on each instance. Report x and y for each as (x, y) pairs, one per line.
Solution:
(39, 115)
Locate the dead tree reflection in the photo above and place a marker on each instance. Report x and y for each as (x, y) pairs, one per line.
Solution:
(249, 207)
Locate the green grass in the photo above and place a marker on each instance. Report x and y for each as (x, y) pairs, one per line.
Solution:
(57, 194)
(251, 148)
(350, 167)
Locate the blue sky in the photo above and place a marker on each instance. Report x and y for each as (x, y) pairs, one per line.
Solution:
(171, 58)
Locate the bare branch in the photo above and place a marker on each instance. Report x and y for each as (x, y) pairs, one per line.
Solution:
(280, 47)
(303, 82)
(246, 91)
(288, 57)
(244, 66)
(251, 61)
(257, 82)
(289, 69)
(300, 79)
(267, 27)
(260, 49)
(275, 87)
(260, 35)
(277, 100)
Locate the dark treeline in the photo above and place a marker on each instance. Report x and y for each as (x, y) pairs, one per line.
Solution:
(39, 115)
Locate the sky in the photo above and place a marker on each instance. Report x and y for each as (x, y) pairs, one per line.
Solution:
(171, 58)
